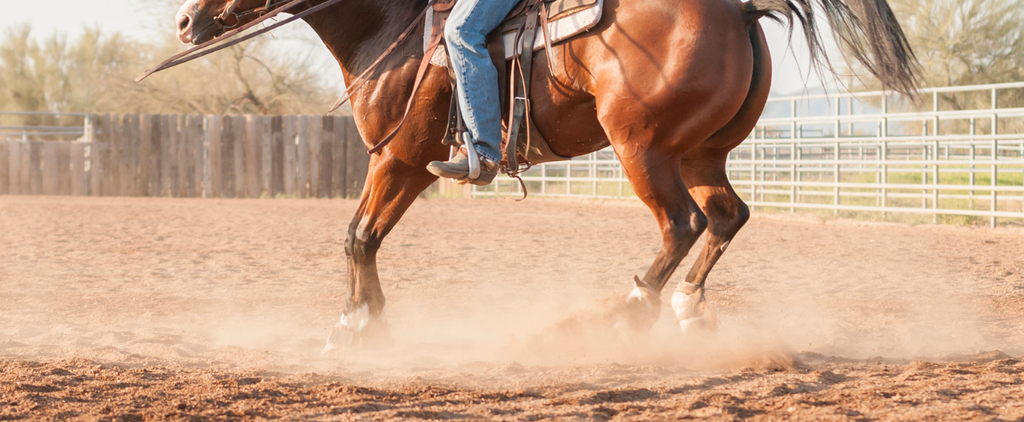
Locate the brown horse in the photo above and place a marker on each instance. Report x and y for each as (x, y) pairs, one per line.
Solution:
(671, 85)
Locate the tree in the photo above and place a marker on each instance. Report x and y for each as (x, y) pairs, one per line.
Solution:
(96, 73)
(963, 42)
(966, 42)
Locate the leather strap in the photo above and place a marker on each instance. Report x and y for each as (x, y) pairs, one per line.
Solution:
(521, 65)
(361, 79)
(222, 42)
(435, 40)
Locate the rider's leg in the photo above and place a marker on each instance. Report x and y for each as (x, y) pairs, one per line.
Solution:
(475, 75)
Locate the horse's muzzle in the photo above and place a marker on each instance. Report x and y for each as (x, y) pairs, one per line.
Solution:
(185, 20)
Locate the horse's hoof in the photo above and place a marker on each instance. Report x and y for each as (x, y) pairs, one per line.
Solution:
(340, 336)
(693, 314)
(643, 305)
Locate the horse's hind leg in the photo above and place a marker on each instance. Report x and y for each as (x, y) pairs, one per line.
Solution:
(703, 171)
(657, 181)
(726, 213)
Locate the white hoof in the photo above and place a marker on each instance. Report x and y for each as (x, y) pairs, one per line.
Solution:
(343, 333)
(693, 313)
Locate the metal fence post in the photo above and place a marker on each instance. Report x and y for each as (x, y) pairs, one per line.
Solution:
(995, 156)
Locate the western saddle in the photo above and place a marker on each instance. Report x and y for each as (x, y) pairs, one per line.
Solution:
(530, 26)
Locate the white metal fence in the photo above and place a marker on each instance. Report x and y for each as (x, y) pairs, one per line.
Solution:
(957, 151)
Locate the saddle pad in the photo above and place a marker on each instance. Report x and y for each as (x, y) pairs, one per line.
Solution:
(567, 19)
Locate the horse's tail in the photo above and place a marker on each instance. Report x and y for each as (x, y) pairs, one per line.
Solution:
(865, 29)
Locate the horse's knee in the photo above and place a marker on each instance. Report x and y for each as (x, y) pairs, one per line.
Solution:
(360, 244)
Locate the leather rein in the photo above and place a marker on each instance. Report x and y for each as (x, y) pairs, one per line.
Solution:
(222, 42)
(268, 11)
(222, 19)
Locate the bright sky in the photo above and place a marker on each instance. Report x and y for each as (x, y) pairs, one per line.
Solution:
(143, 17)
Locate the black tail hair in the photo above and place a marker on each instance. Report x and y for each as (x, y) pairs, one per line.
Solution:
(866, 29)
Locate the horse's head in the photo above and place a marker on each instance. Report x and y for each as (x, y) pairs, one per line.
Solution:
(199, 21)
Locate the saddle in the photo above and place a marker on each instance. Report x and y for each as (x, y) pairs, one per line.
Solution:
(531, 26)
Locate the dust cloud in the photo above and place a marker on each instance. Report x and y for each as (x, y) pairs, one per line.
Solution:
(254, 285)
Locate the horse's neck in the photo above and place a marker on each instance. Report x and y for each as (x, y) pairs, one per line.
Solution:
(357, 32)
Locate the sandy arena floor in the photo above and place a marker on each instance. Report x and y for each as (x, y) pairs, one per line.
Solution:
(158, 309)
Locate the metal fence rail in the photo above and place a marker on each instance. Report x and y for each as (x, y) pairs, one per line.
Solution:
(958, 151)
(37, 126)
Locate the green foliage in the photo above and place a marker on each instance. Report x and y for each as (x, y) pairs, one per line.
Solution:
(96, 73)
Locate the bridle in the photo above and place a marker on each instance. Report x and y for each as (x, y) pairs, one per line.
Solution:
(224, 40)
(269, 11)
(230, 12)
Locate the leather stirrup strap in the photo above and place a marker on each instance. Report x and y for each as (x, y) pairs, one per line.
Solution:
(435, 40)
(520, 94)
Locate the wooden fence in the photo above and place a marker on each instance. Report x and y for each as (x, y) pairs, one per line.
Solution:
(193, 157)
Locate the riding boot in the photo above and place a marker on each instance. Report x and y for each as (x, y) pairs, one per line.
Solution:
(458, 168)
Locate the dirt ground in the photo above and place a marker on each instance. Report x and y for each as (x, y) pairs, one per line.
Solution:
(159, 309)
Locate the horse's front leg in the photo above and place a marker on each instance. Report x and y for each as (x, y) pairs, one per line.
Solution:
(391, 187)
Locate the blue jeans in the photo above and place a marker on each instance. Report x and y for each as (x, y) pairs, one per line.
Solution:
(475, 75)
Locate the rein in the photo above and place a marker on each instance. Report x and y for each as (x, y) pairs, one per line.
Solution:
(221, 20)
(221, 42)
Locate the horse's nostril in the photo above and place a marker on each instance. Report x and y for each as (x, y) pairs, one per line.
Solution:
(185, 20)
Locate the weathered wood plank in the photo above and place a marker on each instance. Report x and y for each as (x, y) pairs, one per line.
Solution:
(165, 155)
(174, 155)
(130, 154)
(302, 162)
(214, 150)
(227, 145)
(266, 142)
(35, 167)
(204, 163)
(79, 178)
(289, 126)
(326, 157)
(51, 170)
(64, 168)
(157, 149)
(198, 157)
(144, 154)
(195, 156)
(340, 126)
(228, 157)
(92, 139)
(14, 169)
(108, 141)
(238, 123)
(125, 165)
(186, 164)
(253, 153)
(5, 167)
(276, 156)
(316, 135)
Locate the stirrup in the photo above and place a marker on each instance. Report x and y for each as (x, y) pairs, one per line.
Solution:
(474, 159)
